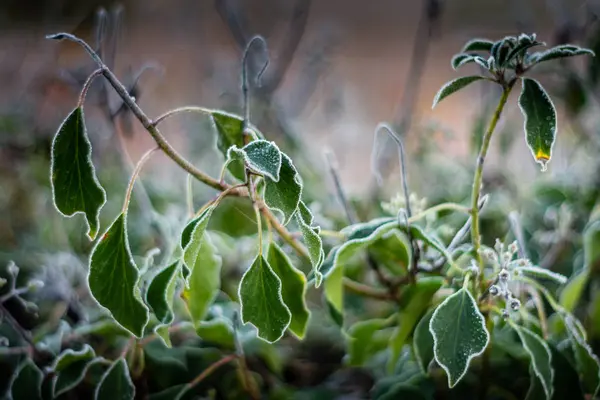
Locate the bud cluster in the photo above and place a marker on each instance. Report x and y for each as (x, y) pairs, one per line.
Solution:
(398, 203)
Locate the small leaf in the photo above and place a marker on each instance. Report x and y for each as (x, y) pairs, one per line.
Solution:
(218, 331)
(284, 195)
(520, 49)
(305, 213)
(75, 187)
(261, 302)
(293, 289)
(229, 134)
(418, 298)
(454, 86)
(314, 244)
(360, 335)
(205, 278)
(478, 45)
(541, 358)
(70, 369)
(27, 382)
(261, 157)
(561, 51)
(540, 120)
(588, 364)
(461, 59)
(459, 334)
(423, 343)
(536, 272)
(591, 246)
(113, 278)
(392, 251)
(571, 293)
(116, 383)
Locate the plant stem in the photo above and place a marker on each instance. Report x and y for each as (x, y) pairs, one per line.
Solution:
(475, 233)
(174, 111)
(209, 370)
(366, 291)
(438, 208)
(86, 86)
(284, 233)
(135, 174)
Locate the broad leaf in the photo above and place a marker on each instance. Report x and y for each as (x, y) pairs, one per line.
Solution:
(116, 383)
(27, 382)
(360, 344)
(261, 157)
(229, 134)
(540, 120)
(75, 187)
(459, 334)
(293, 289)
(543, 274)
(417, 300)
(393, 251)
(70, 368)
(160, 298)
(423, 342)
(217, 331)
(588, 364)
(261, 302)
(541, 358)
(113, 278)
(454, 86)
(284, 195)
(205, 277)
(478, 45)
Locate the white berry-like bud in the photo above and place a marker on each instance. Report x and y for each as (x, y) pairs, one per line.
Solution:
(35, 284)
(513, 247)
(13, 269)
(515, 304)
(504, 275)
(494, 290)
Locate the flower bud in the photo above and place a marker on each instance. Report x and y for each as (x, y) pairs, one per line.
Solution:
(494, 290)
(515, 304)
(513, 247)
(35, 284)
(504, 275)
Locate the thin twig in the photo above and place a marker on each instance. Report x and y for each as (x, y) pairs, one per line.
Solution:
(86, 86)
(135, 174)
(186, 109)
(339, 190)
(245, 92)
(209, 370)
(366, 290)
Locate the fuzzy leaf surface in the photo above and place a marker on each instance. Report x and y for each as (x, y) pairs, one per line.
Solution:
(116, 383)
(541, 358)
(27, 382)
(454, 86)
(284, 195)
(70, 368)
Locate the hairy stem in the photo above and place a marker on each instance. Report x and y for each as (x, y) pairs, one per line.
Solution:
(135, 174)
(475, 233)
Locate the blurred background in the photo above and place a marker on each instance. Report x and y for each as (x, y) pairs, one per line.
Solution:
(337, 68)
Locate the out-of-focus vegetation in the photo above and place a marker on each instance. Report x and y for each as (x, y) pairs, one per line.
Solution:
(368, 335)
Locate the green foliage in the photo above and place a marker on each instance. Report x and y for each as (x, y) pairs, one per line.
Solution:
(27, 382)
(541, 358)
(454, 86)
(75, 186)
(284, 194)
(116, 383)
(70, 368)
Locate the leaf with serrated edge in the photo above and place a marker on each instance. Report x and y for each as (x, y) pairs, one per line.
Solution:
(284, 195)
(75, 186)
(541, 357)
(261, 303)
(69, 369)
(454, 86)
(113, 278)
(455, 348)
(27, 382)
(116, 383)
(533, 271)
(293, 289)
(588, 364)
(205, 277)
(423, 342)
(540, 120)
(261, 157)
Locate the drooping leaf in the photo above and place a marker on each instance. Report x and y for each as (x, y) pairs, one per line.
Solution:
(27, 382)
(461, 59)
(261, 157)
(314, 244)
(359, 339)
(541, 358)
(540, 120)
(423, 342)
(205, 277)
(113, 278)
(218, 331)
(116, 383)
(293, 289)
(454, 86)
(75, 187)
(417, 300)
(284, 195)
(588, 364)
(561, 51)
(160, 298)
(70, 368)
(543, 274)
(459, 334)
(478, 45)
(261, 303)
(229, 133)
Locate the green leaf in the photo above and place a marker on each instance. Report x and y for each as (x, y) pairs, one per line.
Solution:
(116, 383)
(541, 357)
(261, 302)
(393, 251)
(561, 51)
(305, 213)
(461, 59)
(159, 297)
(588, 364)
(293, 289)
(459, 334)
(113, 278)
(205, 277)
(218, 331)
(284, 195)
(478, 45)
(186, 234)
(520, 49)
(454, 86)
(423, 343)
(359, 340)
(261, 157)
(229, 134)
(334, 293)
(75, 187)
(27, 382)
(417, 300)
(314, 244)
(536, 272)
(540, 120)
(536, 389)
(591, 246)
(70, 369)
